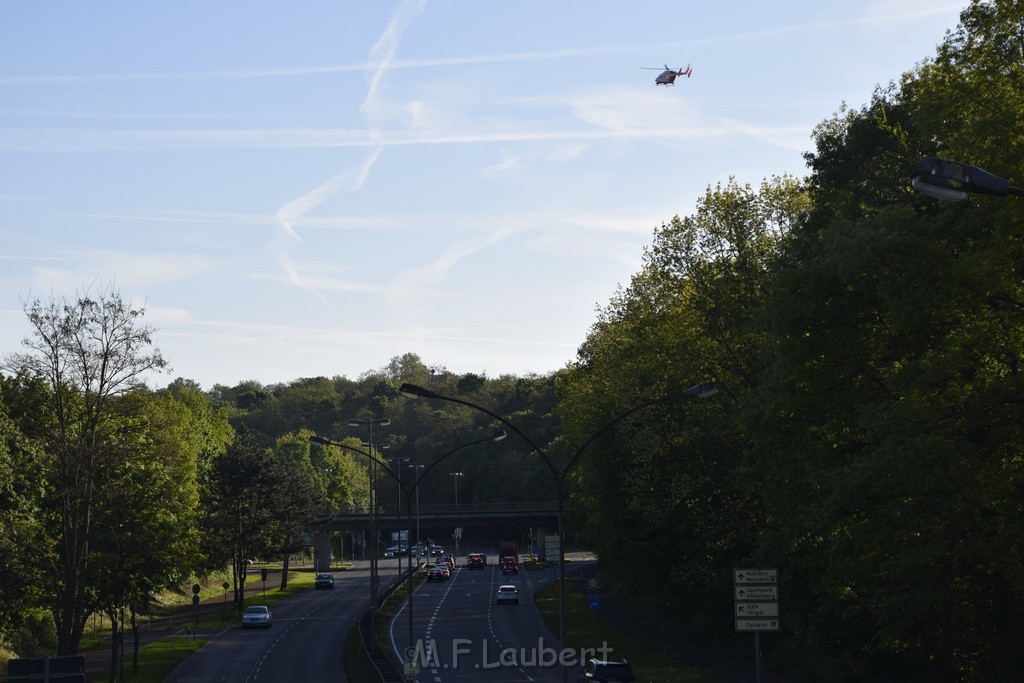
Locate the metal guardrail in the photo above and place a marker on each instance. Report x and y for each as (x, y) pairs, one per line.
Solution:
(448, 509)
(375, 652)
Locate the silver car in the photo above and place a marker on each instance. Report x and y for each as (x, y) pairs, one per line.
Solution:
(257, 616)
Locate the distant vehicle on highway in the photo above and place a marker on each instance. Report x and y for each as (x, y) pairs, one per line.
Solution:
(257, 616)
(507, 593)
(436, 550)
(508, 557)
(476, 561)
(607, 671)
(324, 580)
(438, 573)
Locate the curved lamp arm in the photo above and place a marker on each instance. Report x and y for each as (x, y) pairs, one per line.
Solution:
(321, 441)
(497, 436)
(699, 391)
(413, 391)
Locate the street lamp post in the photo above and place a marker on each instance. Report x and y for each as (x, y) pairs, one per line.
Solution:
(699, 391)
(396, 465)
(326, 471)
(374, 577)
(457, 475)
(419, 543)
(496, 436)
(953, 181)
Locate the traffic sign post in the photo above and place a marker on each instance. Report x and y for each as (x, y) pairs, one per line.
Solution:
(756, 605)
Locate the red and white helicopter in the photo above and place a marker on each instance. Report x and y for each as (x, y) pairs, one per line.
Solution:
(668, 76)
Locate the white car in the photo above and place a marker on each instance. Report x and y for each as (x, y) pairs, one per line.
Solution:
(257, 616)
(507, 593)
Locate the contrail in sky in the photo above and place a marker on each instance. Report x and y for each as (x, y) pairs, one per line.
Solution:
(382, 54)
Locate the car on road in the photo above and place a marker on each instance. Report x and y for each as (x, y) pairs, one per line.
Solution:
(509, 566)
(450, 559)
(324, 580)
(436, 550)
(438, 573)
(476, 561)
(257, 616)
(607, 671)
(507, 593)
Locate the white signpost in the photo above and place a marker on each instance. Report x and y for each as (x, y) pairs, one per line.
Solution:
(551, 546)
(756, 605)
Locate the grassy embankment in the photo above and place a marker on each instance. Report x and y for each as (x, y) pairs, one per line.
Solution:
(158, 658)
(586, 628)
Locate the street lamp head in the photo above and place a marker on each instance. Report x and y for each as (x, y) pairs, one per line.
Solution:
(413, 391)
(320, 441)
(952, 181)
(384, 422)
(499, 435)
(705, 390)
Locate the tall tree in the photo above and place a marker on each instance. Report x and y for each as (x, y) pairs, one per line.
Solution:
(237, 507)
(662, 484)
(90, 350)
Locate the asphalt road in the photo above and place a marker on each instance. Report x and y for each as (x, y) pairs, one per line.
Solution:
(462, 635)
(305, 643)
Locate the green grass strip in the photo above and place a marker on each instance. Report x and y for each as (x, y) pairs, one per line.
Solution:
(585, 628)
(157, 659)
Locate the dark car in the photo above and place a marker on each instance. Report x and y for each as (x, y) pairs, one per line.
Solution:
(324, 580)
(476, 561)
(438, 573)
(607, 671)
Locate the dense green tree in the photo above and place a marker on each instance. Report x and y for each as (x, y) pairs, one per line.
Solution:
(293, 498)
(89, 350)
(886, 429)
(239, 516)
(662, 484)
(22, 496)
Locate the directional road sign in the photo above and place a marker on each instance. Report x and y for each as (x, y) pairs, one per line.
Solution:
(755, 593)
(757, 609)
(757, 624)
(770, 576)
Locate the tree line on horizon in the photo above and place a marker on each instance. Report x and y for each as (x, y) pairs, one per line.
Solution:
(866, 439)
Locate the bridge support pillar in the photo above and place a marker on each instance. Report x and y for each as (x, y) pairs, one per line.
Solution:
(322, 551)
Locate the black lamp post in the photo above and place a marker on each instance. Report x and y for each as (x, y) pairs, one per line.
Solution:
(374, 573)
(496, 436)
(953, 181)
(699, 391)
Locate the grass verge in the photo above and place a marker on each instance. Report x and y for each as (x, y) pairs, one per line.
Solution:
(157, 659)
(586, 629)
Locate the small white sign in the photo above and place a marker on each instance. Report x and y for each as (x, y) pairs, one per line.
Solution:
(757, 624)
(770, 576)
(755, 593)
(757, 609)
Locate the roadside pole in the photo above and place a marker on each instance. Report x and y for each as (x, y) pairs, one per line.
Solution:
(756, 606)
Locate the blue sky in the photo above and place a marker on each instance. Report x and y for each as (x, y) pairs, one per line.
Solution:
(307, 188)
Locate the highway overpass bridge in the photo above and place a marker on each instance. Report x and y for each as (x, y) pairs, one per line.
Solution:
(539, 516)
(446, 516)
